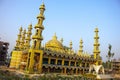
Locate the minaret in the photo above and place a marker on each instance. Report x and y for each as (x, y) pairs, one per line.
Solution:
(22, 40)
(71, 47)
(96, 50)
(18, 40)
(37, 37)
(28, 38)
(61, 40)
(36, 45)
(81, 47)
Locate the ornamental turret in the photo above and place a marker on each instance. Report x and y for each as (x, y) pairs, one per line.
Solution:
(22, 42)
(70, 48)
(61, 40)
(37, 37)
(70, 45)
(96, 50)
(18, 40)
(80, 47)
(28, 38)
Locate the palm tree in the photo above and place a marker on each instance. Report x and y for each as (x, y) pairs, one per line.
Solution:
(109, 56)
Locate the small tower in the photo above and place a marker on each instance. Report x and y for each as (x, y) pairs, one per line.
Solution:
(28, 38)
(70, 47)
(37, 37)
(18, 40)
(61, 40)
(81, 47)
(96, 50)
(22, 40)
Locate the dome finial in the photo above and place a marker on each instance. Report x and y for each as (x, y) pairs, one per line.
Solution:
(54, 37)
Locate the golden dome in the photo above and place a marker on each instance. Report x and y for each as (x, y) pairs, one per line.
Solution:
(54, 43)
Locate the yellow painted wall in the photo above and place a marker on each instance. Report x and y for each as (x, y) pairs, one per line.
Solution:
(15, 59)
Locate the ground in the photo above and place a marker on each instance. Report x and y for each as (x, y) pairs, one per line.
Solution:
(12, 74)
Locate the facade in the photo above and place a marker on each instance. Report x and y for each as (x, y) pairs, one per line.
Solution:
(116, 66)
(54, 57)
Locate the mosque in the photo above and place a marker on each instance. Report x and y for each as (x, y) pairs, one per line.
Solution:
(54, 57)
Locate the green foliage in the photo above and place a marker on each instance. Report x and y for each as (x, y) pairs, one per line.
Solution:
(109, 56)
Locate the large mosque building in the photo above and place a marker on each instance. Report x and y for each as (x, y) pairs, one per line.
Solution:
(54, 57)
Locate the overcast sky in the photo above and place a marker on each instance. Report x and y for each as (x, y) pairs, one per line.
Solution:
(69, 19)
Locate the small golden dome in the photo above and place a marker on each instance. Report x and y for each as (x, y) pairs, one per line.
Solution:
(54, 43)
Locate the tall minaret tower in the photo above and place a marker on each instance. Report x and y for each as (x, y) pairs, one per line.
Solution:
(35, 64)
(28, 38)
(81, 47)
(37, 37)
(18, 40)
(96, 50)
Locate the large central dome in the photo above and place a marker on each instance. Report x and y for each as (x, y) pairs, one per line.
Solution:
(54, 43)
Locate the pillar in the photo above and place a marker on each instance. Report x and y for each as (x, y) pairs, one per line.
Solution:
(49, 60)
(40, 62)
(64, 70)
(76, 71)
(75, 64)
(30, 67)
(69, 63)
(62, 62)
(56, 61)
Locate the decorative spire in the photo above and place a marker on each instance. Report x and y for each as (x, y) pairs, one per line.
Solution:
(18, 40)
(55, 37)
(61, 40)
(70, 45)
(37, 37)
(96, 50)
(28, 38)
(81, 47)
(22, 40)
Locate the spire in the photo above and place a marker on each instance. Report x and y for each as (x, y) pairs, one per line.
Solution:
(96, 50)
(22, 40)
(61, 40)
(71, 50)
(28, 38)
(55, 37)
(37, 37)
(81, 47)
(70, 44)
(18, 40)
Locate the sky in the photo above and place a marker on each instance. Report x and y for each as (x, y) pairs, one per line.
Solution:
(69, 19)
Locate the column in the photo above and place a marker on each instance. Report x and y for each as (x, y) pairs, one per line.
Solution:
(30, 67)
(75, 64)
(56, 61)
(49, 60)
(69, 63)
(40, 62)
(62, 62)
(64, 70)
(76, 71)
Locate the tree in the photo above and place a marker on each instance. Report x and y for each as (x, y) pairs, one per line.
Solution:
(109, 55)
